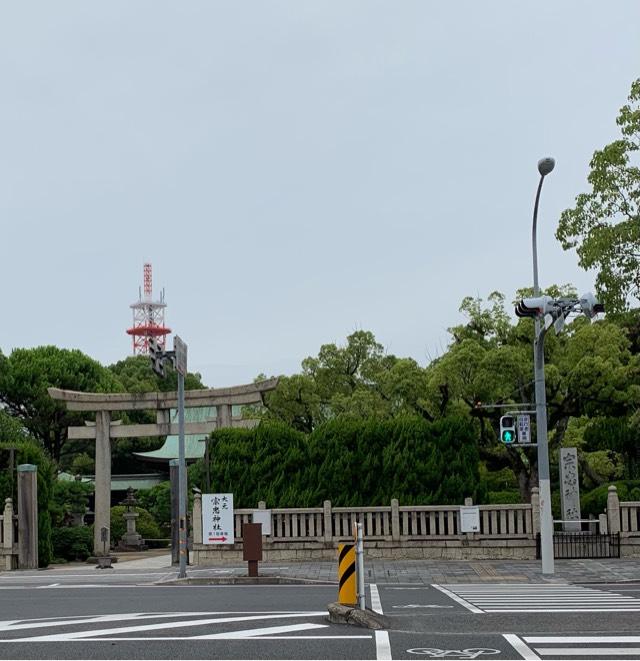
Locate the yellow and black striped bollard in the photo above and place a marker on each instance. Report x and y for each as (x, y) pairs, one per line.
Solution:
(347, 574)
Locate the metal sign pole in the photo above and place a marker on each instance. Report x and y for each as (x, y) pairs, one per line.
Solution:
(182, 481)
(360, 567)
(180, 349)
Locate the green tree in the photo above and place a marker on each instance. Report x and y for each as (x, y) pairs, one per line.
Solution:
(27, 373)
(135, 375)
(357, 380)
(604, 224)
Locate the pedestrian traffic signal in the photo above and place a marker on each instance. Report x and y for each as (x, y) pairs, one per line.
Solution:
(508, 429)
(535, 307)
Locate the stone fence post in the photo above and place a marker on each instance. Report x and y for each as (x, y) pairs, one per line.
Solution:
(535, 511)
(7, 524)
(262, 505)
(604, 528)
(197, 518)
(328, 521)
(7, 534)
(613, 510)
(395, 520)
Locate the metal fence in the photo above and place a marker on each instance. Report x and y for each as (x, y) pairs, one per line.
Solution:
(581, 545)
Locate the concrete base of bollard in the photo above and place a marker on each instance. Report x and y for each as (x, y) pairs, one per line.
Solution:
(343, 614)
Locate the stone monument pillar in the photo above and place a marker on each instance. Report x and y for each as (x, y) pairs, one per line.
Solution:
(102, 482)
(569, 489)
(27, 516)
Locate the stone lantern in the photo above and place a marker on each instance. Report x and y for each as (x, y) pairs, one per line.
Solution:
(131, 540)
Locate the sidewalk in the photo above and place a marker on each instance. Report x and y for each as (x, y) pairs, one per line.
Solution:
(425, 572)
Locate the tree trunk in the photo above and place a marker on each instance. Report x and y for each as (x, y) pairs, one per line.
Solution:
(527, 479)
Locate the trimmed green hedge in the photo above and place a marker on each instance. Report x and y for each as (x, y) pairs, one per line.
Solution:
(348, 462)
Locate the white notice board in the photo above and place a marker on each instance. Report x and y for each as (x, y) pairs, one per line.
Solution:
(469, 518)
(217, 518)
(263, 517)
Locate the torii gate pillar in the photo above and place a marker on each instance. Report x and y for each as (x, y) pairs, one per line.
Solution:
(102, 482)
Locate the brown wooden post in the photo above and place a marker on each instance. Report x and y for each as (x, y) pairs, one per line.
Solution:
(252, 546)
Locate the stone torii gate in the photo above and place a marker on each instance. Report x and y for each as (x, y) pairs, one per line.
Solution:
(104, 429)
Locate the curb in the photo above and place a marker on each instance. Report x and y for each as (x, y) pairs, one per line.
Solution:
(245, 580)
(341, 614)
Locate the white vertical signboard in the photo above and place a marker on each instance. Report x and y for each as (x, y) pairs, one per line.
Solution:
(469, 518)
(524, 429)
(217, 518)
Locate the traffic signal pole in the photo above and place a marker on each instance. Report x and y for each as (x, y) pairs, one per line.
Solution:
(182, 482)
(179, 359)
(546, 517)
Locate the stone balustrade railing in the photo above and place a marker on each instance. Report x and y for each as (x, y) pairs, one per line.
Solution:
(393, 523)
(389, 531)
(630, 516)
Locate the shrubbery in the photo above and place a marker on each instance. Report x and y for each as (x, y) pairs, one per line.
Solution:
(595, 502)
(349, 462)
(73, 543)
(157, 500)
(145, 524)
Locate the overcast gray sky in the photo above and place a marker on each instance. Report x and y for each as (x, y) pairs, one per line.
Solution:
(294, 170)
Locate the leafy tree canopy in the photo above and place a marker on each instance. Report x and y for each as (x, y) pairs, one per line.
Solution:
(604, 224)
(25, 376)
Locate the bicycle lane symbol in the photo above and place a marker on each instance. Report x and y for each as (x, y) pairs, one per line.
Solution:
(467, 653)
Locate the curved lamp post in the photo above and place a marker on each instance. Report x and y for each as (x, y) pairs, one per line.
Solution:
(545, 166)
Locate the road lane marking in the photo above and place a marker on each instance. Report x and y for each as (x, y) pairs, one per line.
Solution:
(422, 606)
(589, 651)
(521, 647)
(383, 645)
(582, 639)
(41, 623)
(264, 631)
(376, 604)
(80, 635)
(457, 599)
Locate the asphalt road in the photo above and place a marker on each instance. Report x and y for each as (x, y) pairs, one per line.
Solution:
(83, 615)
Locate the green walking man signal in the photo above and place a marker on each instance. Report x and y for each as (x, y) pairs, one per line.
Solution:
(508, 429)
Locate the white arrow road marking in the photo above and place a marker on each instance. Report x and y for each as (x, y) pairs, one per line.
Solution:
(81, 635)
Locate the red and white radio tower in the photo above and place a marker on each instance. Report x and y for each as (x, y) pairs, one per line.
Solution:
(148, 318)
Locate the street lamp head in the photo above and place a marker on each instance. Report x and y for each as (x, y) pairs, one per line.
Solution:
(546, 165)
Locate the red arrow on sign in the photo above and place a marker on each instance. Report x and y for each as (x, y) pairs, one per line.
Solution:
(217, 539)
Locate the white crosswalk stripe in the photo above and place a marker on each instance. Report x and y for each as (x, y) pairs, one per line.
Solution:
(533, 598)
(583, 647)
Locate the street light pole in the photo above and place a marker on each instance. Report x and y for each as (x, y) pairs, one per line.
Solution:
(545, 166)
